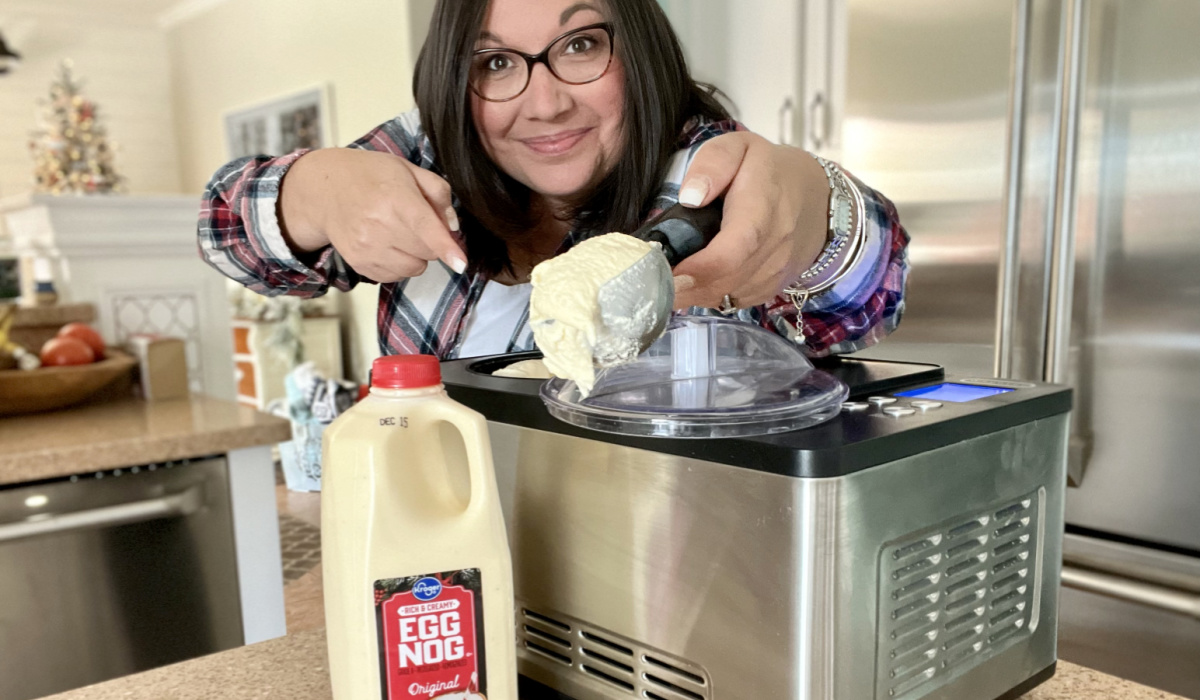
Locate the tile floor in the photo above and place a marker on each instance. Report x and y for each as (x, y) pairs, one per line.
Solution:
(300, 540)
(299, 529)
(300, 545)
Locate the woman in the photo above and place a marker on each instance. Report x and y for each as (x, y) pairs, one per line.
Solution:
(541, 123)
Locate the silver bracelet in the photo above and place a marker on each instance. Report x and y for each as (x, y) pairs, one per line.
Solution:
(844, 243)
(841, 198)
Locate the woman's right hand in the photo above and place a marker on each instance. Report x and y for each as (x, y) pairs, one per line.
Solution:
(385, 216)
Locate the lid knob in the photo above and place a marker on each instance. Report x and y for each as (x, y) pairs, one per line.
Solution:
(405, 372)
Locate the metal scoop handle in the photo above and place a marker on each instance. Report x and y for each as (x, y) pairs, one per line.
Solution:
(682, 231)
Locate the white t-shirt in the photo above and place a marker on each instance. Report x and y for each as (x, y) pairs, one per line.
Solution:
(499, 323)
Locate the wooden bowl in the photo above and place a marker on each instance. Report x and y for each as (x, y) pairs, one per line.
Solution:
(48, 388)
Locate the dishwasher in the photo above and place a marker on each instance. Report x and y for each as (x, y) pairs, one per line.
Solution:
(113, 572)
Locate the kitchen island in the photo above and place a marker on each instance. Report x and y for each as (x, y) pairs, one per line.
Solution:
(295, 668)
(125, 431)
(134, 534)
(106, 437)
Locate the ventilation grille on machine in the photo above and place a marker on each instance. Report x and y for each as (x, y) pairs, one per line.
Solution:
(955, 595)
(558, 642)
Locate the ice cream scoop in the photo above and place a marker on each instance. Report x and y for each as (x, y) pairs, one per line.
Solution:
(682, 231)
(679, 232)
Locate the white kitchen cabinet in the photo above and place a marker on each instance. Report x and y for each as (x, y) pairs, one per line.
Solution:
(260, 373)
(779, 61)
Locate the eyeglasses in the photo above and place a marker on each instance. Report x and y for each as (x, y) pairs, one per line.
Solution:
(580, 56)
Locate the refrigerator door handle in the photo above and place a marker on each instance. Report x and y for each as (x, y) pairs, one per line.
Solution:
(1131, 591)
(1010, 265)
(1062, 253)
(1056, 355)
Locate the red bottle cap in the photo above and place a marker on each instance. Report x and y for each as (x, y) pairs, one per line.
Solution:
(405, 372)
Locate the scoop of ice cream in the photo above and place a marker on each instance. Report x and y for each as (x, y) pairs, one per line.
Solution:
(525, 369)
(565, 312)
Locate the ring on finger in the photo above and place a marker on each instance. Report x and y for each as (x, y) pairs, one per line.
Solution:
(728, 305)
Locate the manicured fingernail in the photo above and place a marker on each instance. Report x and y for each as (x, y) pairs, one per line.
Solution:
(683, 283)
(458, 264)
(452, 218)
(693, 191)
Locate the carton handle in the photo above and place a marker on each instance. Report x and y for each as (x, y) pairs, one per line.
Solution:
(473, 428)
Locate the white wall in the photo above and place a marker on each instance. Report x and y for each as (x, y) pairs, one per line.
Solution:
(239, 53)
(122, 59)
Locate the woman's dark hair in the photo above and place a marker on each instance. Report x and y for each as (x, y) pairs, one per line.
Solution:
(660, 97)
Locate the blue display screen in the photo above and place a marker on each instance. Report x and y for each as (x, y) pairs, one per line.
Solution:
(954, 393)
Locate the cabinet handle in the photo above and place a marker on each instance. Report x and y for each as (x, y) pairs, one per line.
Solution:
(816, 122)
(786, 122)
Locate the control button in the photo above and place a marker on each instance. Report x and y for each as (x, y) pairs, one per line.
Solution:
(898, 411)
(925, 405)
(881, 400)
(855, 406)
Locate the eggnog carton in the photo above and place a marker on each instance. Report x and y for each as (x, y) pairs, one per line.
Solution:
(417, 571)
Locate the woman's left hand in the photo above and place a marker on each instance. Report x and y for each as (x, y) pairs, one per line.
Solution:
(774, 222)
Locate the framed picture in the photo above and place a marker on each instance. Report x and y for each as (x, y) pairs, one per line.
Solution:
(299, 120)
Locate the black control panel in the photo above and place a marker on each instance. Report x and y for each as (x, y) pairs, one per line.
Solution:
(895, 409)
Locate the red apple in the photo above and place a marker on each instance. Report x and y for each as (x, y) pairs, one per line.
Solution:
(60, 352)
(87, 334)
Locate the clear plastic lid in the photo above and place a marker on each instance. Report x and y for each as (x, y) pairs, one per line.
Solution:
(706, 377)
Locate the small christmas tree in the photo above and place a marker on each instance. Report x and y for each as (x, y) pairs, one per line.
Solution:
(71, 152)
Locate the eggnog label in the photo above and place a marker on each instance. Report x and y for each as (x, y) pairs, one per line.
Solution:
(430, 636)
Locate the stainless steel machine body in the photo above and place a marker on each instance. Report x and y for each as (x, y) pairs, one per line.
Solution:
(903, 556)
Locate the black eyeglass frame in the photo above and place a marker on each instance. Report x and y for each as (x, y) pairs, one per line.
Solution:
(532, 60)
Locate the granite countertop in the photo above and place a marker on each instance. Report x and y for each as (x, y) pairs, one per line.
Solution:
(127, 432)
(294, 668)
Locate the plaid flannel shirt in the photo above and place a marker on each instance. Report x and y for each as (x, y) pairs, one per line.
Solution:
(239, 235)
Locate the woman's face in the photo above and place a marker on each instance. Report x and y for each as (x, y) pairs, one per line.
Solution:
(556, 139)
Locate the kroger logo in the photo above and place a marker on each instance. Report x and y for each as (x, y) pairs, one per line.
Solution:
(427, 589)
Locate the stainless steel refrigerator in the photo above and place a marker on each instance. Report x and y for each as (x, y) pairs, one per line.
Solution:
(1045, 157)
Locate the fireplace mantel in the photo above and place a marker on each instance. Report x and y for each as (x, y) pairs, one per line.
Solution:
(136, 259)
